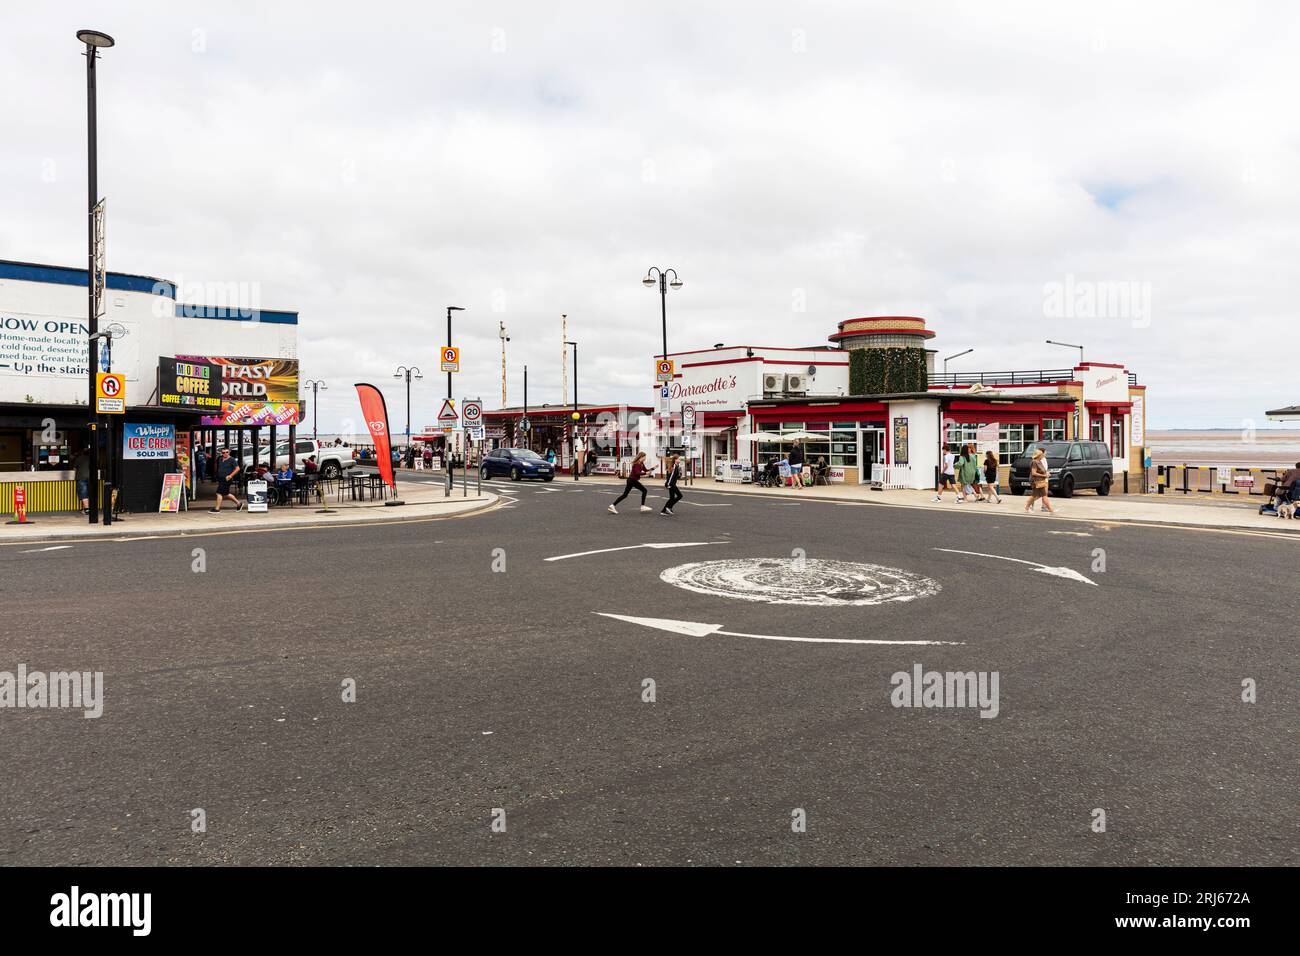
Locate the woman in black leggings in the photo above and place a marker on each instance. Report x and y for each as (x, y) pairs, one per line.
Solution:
(633, 481)
(674, 495)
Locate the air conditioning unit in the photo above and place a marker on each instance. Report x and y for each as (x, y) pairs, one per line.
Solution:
(796, 383)
(772, 382)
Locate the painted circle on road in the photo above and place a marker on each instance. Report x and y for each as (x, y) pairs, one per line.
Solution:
(812, 582)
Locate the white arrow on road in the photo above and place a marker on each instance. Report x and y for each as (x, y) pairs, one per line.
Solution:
(696, 629)
(633, 547)
(1069, 573)
(57, 547)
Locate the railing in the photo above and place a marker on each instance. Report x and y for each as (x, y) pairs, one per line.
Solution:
(891, 476)
(1213, 479)
(1043, 376)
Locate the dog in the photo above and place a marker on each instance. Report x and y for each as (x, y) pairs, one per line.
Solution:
(1286, 509)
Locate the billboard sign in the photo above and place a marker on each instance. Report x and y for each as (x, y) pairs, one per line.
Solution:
(254, 391)
(148, 442)
(191, 384)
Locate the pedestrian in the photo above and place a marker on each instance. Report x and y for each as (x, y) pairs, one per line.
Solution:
(550, 456)
(947, 475)
(200, 463)
(670, 482)
(428, 456)
(992, 489)
(1038, 475)
(81, 468)
(227, 469)
(634, 481)
(968, 472)
(795, 459)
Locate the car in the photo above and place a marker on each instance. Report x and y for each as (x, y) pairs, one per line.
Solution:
(332, 460)
(515, 464)
(1073, 466)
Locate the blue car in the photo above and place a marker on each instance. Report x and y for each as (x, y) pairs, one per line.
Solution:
(516, 464)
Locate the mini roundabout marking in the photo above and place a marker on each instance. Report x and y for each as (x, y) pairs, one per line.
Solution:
(810, 582)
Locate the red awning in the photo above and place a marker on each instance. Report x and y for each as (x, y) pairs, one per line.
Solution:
(1114, 408)
(822, 411)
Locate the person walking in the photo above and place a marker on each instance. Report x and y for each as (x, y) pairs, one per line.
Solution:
(227, 469)
(670, 482)
(1038, 475)
(968, 472)
(428, 456)
(992, 489)
(947, 475)
(795, 459)
(634, 481)
(81, 469)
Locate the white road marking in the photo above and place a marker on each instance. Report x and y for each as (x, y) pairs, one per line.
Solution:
(696, 504)
(634, 547)
(1069, 573)
(55, 547)
(695, 629)
(810, 582)
(1075, 534)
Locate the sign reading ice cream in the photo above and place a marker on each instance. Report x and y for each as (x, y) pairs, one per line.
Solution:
(148, 442)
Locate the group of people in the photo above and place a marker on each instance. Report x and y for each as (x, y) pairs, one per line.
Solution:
(674, 472)
(968, 477)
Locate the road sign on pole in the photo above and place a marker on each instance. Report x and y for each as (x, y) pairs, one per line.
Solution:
(110, 393)
(471, 412)
(450, 358)
(664, 370)
(447, 416)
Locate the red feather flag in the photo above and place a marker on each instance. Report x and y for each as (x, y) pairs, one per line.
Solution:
(376, 414)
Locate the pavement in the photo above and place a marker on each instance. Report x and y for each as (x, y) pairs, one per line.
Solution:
(422, 498)
(605, 692)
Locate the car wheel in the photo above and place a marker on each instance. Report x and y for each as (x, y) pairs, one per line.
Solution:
(1067, 486)
(483, 473)
(1017, 489)
(549, 478)
(1104, 488)
(331, 470)
(515, 475)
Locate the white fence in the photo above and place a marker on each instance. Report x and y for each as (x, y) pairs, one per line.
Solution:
(892, 476)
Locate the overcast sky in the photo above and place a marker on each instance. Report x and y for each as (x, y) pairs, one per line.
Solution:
(797, 164)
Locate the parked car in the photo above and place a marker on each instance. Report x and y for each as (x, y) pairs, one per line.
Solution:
(332, 459)
(516, 464)
(1073, 465)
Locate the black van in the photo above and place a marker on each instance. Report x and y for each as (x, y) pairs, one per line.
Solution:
(1074, 465)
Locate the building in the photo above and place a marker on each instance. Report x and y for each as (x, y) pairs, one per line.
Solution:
(192, 372)
(610, 432)
(873, 407)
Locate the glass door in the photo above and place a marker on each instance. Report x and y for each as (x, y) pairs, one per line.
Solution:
(871, 451)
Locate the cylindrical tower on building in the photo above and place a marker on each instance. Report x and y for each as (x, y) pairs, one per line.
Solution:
(883, 332)
(887, 353)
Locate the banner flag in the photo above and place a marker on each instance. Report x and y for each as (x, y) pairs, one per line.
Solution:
(376, 415)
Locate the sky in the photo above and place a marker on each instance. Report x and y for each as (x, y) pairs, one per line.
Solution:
(995, 168)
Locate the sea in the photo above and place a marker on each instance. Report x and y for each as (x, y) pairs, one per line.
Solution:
(1242, 448)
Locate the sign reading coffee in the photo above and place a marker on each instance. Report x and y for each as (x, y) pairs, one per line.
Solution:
(189, 382)
(254, 391)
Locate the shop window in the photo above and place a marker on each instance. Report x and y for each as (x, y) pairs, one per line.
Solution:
(1053, 429)
(1116, 436)
(1013, 439)
(1097, 428)
(960, 433)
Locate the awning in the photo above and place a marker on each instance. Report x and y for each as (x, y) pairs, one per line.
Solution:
(1112, 408)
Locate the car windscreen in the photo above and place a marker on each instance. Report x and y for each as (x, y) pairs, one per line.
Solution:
(526, 453)
(1057, 449)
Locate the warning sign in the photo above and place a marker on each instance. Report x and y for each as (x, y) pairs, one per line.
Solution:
(663, 370)
(110, 393)
(450, 359)
(447, 416)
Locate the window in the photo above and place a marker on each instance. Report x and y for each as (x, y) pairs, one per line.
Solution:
(960, 433)
(1012, 440)
(1116, 436)
(1097, 428)
(1053, 429)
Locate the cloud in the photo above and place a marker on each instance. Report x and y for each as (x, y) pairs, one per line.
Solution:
(368, 168)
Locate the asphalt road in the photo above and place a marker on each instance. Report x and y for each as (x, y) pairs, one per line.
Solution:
(479, 689)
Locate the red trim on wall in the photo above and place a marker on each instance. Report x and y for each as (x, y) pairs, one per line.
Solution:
(719, 362)
(820, 412)
(1097, 365)
(1036, 408)
(1002, 416)
(721, 419)
(776, 362)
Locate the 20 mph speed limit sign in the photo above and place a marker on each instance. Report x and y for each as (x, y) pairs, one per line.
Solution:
(471, 412)
(450, 359)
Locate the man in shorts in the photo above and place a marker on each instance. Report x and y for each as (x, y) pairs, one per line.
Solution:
(227, 470)
(947, 474)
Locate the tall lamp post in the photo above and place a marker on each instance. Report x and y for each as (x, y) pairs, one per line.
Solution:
(953, 356)
(1069, 346)
(660, 276)
(408, 373)
(316, 386)
(94, 40)
(576, 417)
(504, 339)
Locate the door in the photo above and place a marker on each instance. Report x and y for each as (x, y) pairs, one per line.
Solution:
(871, 451)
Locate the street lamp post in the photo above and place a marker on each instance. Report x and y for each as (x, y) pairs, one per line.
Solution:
(408, 373)
(1069, 346)
(316, 386)
(446, 441)
(574, 434)
(653, 275)
(94, 40)
(953, 356)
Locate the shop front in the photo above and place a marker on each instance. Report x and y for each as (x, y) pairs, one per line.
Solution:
(608, 434)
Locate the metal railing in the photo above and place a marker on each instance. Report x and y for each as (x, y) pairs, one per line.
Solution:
(1214, 479)
(1031, 377)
